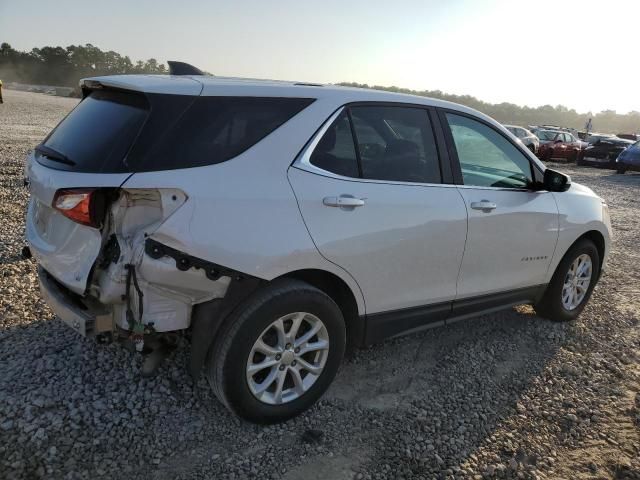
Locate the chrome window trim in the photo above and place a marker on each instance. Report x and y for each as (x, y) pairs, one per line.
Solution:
(303, 162)
(507, 189)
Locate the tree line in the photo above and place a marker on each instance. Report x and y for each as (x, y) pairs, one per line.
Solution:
(66, 66)
(607, 121)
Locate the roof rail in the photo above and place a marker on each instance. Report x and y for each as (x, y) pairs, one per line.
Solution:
(182, 68)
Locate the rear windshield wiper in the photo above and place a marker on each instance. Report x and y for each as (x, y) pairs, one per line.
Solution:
(54, 155)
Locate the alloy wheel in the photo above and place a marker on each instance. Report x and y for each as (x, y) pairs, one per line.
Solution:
(576, 282)
(287, 358)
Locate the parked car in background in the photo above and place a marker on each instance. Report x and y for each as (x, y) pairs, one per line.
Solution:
(603, 152)
(525, 136)
(280, 222)
(557, 144)
(629, 136)
(594, 137)
(572, 131)
(629, 159)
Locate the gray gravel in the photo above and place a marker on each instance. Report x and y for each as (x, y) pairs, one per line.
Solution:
(507, 395)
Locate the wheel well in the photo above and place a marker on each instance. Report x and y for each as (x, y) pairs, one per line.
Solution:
(340, 292)
(597, 238)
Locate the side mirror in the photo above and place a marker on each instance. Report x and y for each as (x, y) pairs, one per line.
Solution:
(556, 181)
(557, 141)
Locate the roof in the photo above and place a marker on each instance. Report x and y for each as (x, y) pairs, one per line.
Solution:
(230, 86)
(551, 130)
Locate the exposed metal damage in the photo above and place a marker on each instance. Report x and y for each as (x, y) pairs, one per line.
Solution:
(147, 289)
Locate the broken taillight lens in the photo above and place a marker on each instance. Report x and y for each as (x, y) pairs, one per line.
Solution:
(78, 204)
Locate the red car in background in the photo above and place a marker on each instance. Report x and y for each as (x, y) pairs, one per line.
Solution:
(557, 144)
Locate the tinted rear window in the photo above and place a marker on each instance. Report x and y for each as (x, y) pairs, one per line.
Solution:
(216, 129)
(98, 133)
(114, 132)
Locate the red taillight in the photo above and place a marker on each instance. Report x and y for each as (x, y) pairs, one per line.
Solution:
(77, 204)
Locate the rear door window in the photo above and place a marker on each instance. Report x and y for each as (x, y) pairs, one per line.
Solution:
(391, 143)
(98, 133)
(396, 144)
(336, 152)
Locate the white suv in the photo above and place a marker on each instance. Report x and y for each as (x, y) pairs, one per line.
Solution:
(278, 223)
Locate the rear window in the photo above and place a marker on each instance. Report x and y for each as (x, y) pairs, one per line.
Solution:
(97, 134)
(115, 132)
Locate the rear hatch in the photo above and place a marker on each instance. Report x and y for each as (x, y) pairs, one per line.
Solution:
(91, 150)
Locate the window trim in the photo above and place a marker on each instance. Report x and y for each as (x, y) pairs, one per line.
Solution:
(356, 144)
(536, 172)
(303, 159)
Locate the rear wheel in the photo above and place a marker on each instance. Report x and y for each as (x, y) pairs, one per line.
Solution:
(572, 283)
(278, 354)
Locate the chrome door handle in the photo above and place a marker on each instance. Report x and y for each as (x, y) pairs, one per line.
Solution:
(343, 201)
(485, 205)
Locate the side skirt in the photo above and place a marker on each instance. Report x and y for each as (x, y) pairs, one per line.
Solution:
(380, 326)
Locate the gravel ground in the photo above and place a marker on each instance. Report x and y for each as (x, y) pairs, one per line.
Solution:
(507, 395)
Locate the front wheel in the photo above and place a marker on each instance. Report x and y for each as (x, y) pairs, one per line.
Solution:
(278, 353)
(572, 283)
(621, 169)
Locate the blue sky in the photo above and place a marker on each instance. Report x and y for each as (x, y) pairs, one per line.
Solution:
(579, 54)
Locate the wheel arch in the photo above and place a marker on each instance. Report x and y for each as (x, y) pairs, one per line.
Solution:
(598, 239)
(342, 294)
(593, 235)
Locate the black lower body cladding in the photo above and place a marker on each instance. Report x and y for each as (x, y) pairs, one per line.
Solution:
(184, 261)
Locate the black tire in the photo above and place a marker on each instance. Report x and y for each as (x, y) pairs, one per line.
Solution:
(547, 155)
(621, 169)
(550, 305)
(573, 158)
(227, 359)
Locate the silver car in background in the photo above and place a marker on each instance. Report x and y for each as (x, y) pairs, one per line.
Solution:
(525, 136)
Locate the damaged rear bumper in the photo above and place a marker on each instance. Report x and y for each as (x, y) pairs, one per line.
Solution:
(169, 285)
(85, 317)
(89, 317)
